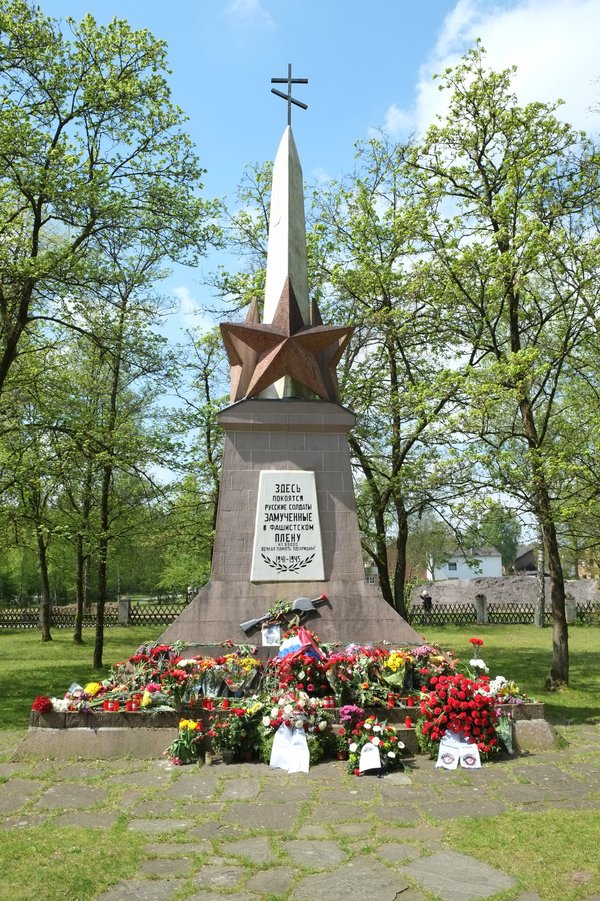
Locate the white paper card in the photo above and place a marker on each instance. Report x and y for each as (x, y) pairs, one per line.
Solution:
(469, 756)
(370, 759)
(299, 753)
(449, 753)
(290, 750)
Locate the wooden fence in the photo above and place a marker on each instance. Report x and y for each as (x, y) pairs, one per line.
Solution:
(164, 614)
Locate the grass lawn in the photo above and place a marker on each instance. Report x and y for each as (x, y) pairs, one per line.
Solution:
(30, 667)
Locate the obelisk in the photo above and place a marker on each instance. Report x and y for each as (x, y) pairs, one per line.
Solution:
(286, 519)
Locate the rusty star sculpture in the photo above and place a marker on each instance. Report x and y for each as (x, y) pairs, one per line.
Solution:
(260, 354)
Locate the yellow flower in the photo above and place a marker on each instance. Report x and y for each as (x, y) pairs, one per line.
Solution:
(92, 688)
(146, 699)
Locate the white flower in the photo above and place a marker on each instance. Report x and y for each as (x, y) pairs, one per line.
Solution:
(479, 664)
(301, 674)
(298, 724)
(314, 702)
(391, 754)
(367, 725)
(288, 709)
(353, 747)
(266, 720)
(497, 684)
(376, 741)
(401, 744)
(281, 702)
(274, 713)
(376, 728)
(322, 725)
(60, 705)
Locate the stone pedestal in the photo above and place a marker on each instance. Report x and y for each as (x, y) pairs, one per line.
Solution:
(265, 434)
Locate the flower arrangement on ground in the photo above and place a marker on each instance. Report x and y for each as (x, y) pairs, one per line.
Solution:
(185, 748)
(461, 705)
(236, 731)
(299, 711)
(382, 736)
(356, 675)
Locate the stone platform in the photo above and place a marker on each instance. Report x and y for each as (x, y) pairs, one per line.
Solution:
(246, 832)
(104, 736)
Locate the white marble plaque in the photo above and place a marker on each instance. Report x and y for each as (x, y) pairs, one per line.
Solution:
(287, 534)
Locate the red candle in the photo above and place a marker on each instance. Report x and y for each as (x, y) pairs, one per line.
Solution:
(134, 706)
(225, 703)
(116, 706)
(128, 706)
(408, 722)
(410, 701)
(105, 705)
(110, 705)
(391, 699)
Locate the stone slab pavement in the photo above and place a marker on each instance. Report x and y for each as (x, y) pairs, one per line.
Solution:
(247, 832)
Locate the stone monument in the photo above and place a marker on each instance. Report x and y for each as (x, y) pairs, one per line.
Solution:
(286, 519)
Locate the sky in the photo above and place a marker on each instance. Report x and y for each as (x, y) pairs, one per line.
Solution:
(369, 65)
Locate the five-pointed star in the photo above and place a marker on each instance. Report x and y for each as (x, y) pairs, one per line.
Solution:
(286, 347)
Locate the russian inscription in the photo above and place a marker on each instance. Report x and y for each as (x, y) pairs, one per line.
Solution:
(287, 534)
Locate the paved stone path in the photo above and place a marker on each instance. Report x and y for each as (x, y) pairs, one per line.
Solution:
(246, 832)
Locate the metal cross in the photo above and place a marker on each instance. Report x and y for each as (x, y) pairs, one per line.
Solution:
(289, 81)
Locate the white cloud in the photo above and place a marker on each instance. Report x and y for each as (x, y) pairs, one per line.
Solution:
(190, 312)
(397, 121)
(249, 12)
(553, 44)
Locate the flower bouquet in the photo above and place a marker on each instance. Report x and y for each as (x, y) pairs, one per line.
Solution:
(394, 669)
(302, 672)
(380, 735)
(213, 675)
(461, 705)
(185, 748)
(298, 711)
(235, 732)
(240, 671)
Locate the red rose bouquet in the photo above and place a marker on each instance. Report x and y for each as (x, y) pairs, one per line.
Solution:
(42, 704)
(462, 705)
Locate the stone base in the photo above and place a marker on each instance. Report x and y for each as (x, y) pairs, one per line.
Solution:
(533, 735)
(85, 743)
(355, 613)
(107, 736)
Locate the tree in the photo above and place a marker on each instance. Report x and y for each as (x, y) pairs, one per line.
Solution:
(498, 527)
(90, 144)
(396, 377)
(510, 191)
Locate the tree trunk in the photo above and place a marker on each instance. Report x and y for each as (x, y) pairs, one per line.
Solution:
(102, 567)
(79, 591)
(559, 671)
(539, 615)
(400, 569)
(45, 603)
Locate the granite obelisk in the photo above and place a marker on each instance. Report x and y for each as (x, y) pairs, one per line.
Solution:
(286, 520)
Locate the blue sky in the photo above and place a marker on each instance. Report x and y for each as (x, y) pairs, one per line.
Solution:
(369, 65)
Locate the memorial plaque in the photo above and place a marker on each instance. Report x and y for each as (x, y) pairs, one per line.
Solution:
(287, 535)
